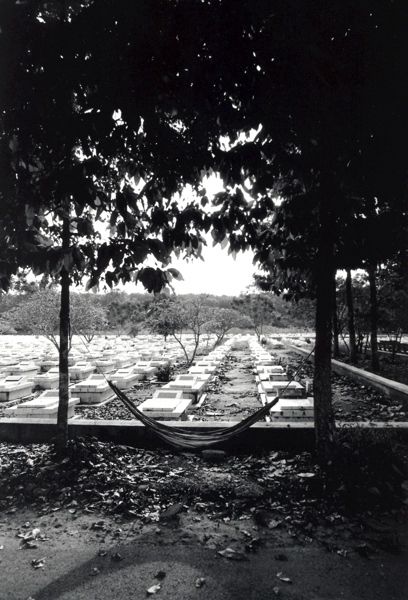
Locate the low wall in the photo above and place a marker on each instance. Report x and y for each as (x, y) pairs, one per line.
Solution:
(389, 387)
(277, 436)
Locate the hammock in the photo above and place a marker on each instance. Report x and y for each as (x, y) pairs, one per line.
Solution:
(180, 438)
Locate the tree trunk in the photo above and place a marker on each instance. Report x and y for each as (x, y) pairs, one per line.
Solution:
(375, 362)
(324, 273)
(335, 322)
(62, 420)
(350, 317)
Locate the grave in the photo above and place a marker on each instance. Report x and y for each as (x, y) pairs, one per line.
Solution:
(202, 368)
(144, 368)
(105, 365)
(81, 370)
(263, 370)
(126, 377)
(93, 390)
(24, 369)
(14, 387)
(191, 385)
(48, 380)
(166, 404)
(283, 389)
(265, 360)
(43, 407)
(266, 376)
(293, 409)
(47, 362)
(6, 364)
(159, 363)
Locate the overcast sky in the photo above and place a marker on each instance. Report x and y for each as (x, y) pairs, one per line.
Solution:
(218, 274)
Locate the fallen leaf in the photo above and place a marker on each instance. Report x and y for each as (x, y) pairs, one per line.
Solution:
(171, 512)
(281, 577)
(273, 524)
(199, 582)
(38, 563)
(232, 554)
(160, 575)
(116, 557)
(154, 589)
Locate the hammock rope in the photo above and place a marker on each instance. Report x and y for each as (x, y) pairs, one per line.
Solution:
(180, 438)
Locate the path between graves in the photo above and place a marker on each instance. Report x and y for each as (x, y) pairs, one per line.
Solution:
(233, 395)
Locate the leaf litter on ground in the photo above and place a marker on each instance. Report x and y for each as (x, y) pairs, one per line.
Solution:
(274, 489)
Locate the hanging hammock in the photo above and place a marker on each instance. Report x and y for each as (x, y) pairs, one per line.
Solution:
(180, 438)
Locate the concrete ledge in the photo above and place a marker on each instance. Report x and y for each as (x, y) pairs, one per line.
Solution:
(389, 354)
(389, 387)
(282, 435)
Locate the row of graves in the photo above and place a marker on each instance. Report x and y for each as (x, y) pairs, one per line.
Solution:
(295, 403)
(179, 398)
(29, 364)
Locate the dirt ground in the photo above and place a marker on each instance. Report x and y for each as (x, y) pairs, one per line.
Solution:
(112, 522)
(105, 559)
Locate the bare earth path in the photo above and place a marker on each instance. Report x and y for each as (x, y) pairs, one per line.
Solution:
(234, 396)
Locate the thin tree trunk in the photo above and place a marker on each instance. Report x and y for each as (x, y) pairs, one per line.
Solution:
(375, 362)
(323, 409)
(350, 317)
(62, 420)
(335, 322)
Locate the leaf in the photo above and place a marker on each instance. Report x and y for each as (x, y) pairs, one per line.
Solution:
(38, 563)
(176, 274)
(116, 557)
(171, 512)
(274, 523)
(232, 554)
(153, 589)
(199, 582)
(282, 578)
(160, 575)
(29, 214)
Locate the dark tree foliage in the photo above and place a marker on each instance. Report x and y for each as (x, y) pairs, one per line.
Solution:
(115, 105)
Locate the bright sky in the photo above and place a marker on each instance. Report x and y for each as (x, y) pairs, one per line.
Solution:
(218, 274)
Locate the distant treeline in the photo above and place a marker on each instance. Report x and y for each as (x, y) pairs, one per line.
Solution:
(126, 313)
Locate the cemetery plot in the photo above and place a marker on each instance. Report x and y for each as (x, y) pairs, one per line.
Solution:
(48, 380)
(14, 387)
(226, 384)
(44, 406)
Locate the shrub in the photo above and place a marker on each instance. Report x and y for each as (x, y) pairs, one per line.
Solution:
(164, 374)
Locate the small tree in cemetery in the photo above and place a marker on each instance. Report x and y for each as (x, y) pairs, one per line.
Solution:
(223, 320)
(40, 315)
(176, 318)
(259, 310)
